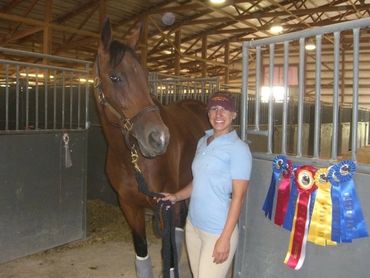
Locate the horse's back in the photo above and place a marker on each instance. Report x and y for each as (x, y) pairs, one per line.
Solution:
(188, 116)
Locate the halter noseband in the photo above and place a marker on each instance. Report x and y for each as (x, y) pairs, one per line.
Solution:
(125, 123)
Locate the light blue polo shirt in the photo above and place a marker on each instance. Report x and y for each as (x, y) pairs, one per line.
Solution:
(214, 167)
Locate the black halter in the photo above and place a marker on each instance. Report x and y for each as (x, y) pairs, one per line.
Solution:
(125, 123)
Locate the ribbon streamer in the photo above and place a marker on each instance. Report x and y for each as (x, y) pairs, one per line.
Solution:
(277, 168)
(321, 220)
(289, 216)
(348, 222)
(304, 178)
(283, 194)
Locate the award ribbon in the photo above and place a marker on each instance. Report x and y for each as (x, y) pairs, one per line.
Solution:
(288, 221)
(348, 222)
(283, 194)
(304, 177)
(320, 225)
(277, 168)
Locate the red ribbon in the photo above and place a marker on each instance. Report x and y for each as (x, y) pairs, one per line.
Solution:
(304, 177)
(283, 197)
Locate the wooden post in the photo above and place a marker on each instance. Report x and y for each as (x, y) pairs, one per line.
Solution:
(46, 44)
(177, 51)
(144, 43)
(226, 60)
(102, 12)
(204, 55)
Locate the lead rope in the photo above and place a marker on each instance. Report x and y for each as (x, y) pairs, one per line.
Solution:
(164, 211)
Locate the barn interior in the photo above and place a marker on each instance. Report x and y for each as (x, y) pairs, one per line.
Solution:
(190, 49)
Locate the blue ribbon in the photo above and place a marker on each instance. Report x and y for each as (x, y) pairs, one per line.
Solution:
(348, 222)
(288, 221)
(278, 165)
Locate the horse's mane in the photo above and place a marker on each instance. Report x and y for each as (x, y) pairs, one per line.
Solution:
(117, 51)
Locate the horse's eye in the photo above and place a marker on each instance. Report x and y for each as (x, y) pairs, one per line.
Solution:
(115, 78)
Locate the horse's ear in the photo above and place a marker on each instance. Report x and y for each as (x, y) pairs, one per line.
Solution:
(106, 34)
(134, 36)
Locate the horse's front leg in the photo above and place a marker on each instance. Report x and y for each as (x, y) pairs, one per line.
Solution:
(136, 219)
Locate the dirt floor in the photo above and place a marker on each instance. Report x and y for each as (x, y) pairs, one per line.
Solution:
(106, 252)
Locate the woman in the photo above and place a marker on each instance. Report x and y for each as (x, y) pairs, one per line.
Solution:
(221, 171)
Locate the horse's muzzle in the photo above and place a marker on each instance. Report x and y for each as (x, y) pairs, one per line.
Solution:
(155, 142)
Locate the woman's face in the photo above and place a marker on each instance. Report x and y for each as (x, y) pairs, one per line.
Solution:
(220, 119)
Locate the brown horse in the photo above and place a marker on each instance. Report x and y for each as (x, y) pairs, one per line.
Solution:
(165, 135)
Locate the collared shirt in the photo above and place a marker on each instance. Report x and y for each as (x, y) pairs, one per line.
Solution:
(214, 167)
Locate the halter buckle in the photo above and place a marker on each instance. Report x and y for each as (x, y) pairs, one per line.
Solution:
(127, 124)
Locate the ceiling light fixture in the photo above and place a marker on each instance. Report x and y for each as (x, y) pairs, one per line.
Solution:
(217, 2)
(276, 28)
(168, 18)
(310, 46)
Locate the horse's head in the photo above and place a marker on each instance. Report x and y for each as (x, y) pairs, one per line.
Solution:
(121, 85)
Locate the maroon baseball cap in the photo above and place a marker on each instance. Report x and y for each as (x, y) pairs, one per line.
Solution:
(223, 99)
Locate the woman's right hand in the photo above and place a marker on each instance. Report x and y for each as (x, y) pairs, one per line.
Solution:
(168, 197)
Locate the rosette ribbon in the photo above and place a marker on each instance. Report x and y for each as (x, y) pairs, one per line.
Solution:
(321, 220)
(283, 193)
(348, 222)
(278, 165)
(304, 178)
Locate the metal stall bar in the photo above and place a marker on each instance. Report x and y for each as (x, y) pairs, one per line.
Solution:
(79, 105)
(55, 102)
(7, 97)
(285, 100)
(71, 102)
(244, 99)
(335, 28)
(316, 145)
(37, 101)
(334, 142)
(26, 111)
(271, 99)
(257, 99)
(46, 100)
(63, 99)
(87, 94)
(17, 99)
(27, 100)
(300, 95)
(356, 47)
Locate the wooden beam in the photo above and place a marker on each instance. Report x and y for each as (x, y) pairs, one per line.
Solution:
(144, 43)
(22, 34)
(35, 22)
(226, 61)
(178, 52)
(204, 55)
(46, 44)
(77, 11)
(102, 12)
(12, 4)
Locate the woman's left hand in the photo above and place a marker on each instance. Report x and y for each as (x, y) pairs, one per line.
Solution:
(221, 250)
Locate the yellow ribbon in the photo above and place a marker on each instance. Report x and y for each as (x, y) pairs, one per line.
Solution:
(320, 227)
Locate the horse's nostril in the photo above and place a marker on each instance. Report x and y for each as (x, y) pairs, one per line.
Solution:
(157, 140)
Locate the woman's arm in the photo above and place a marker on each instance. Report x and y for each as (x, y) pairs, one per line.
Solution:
(222, 246)
(180, 195)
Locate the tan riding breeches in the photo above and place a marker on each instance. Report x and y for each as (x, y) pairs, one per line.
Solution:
(200, 246)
